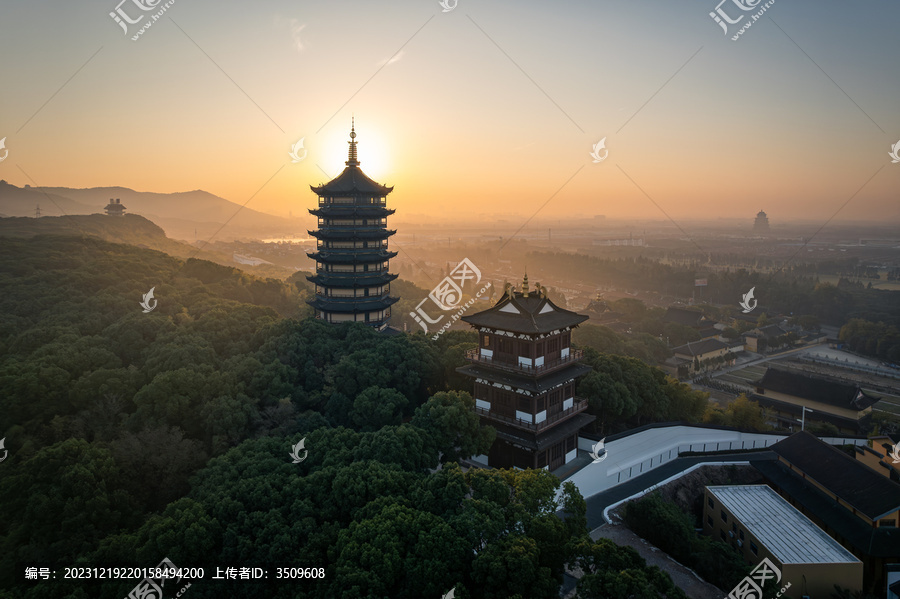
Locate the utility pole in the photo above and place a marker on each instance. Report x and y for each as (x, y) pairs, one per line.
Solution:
(803, 419)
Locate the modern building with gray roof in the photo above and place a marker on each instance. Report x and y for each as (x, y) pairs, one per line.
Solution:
(760, 524)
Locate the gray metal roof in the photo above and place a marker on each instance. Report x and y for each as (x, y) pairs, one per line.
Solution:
(789, 535)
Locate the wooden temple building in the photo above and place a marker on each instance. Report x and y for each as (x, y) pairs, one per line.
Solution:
(525, 373)
(115, 208)
(352, 278)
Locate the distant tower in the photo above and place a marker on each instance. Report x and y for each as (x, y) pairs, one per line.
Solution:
(761, 224)
(352, 259)
(37, 211)
(115, 208)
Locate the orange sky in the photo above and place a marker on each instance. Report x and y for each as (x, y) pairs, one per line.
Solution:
(488, 109)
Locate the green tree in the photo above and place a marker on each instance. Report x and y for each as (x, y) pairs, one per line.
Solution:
(452, 426)
(375, 407)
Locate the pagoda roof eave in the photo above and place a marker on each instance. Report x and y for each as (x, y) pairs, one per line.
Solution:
(349, 234)
(351, 181)
(353, 305)
(350, 282)
(532, 315)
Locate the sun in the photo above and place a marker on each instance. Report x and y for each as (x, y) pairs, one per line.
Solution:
(372, 149)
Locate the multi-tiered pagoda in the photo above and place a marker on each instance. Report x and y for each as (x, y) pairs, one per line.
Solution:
(352, 279)
(525, 371)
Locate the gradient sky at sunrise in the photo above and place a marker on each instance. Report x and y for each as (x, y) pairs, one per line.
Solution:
(488, 109)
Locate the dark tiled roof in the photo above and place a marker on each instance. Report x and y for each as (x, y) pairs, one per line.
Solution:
(528, 315)
(348, 307)
(698, 348)
(815, 388)
(689, 318)
(836, 519)
(352, 180)
(771, 331)
(855, 483)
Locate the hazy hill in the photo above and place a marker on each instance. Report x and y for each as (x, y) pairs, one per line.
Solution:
(131, 229)
(186, 215)
(18, 201)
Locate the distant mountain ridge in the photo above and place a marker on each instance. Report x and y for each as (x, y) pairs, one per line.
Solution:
(184, 215)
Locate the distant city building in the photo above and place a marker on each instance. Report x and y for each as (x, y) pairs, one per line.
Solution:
(352, 259)
(629, 242)
(856, 506)
(761, 224)
(758, 523)
(115, 208)
(684, 316)
(525, 370)
(769, 333)
(248, 260)
(700, 355)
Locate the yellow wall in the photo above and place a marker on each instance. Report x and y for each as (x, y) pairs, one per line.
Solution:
(872, 461)
(820, 578)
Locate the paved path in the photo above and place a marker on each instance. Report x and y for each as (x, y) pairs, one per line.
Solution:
(683, 577)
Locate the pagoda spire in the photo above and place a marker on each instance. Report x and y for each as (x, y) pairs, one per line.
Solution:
(525, 285)
(352, 158)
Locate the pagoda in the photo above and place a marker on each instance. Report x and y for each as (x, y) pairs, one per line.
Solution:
(525, 371)
(352, 258)
(761, 224)
(115, 208)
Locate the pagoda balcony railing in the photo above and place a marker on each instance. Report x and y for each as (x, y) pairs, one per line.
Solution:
(372, 297)
(579, 405)
(474, 356)
(352, 205)
(372, 271)
(372, 224)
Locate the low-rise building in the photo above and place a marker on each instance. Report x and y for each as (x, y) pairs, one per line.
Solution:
(856, 506)
(699, 352)
(762, 338)
(758, 523)
(880, 456)
(784, 393)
